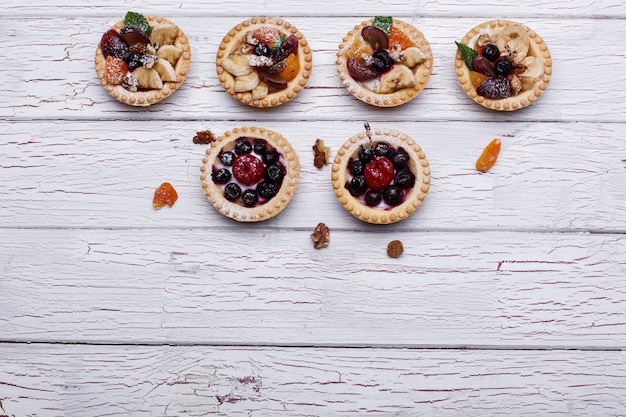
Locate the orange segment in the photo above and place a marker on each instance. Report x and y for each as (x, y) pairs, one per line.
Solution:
(292, 67)
(397, 37)
(477, 78)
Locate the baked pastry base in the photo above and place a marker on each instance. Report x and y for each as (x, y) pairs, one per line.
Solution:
(215, 193)
(418, 164)
(357, 89)
(236, 37)
(537, 48)
(145, 98)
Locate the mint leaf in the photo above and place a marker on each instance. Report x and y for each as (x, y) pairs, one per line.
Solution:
(383, 23)
(138, 20)
(279, 42)
(468, 54)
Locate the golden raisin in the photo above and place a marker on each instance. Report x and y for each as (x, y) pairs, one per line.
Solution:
(292, 68)
(164, 195)
(477, 78)
(488, 158)
(398, 37)
(359, 48)
(116, 70)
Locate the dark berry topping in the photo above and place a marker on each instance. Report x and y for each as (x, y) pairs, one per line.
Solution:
(359, 71)
(404, 178)
(270, 158)
(382, 61)
(491, 52)
(260, 148)
(221, 176)
(227, 158)
(357, 186)
(373, 198)
(242, 146)
(262, 49)
(375, 37)
(274, 173)
(112, 44)
(249, 198)
(495, 88)
(134, 61)
(379, 172)
(392, 195)
(483, 66)
(382, 149)
(232, 191)
(400, 159)
(266, 189)
(356, 167)
(365, 154)
(248, 169)
(503, 67)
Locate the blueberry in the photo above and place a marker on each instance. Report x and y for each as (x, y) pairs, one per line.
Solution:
(357, 186)
(273, 173)
(382, 61)
(503, 67)
(243, 146)
(404, 178)
(491, 52)
(392, 194)
(382, 149)
(266, 189)
(232, 191)
(270, 157)
(227, 158)
(400, 159)
(365, 154)
(262, 49)
(260, 148)
(356, 167)
(221, 176)
(249, 198)
(373, 198)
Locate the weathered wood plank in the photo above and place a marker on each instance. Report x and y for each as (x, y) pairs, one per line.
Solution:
(254, 285)
(70, 380)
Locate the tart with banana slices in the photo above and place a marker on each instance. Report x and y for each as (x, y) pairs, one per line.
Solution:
(142, 59)
(250, 174)
(380, 176)
(503, 65)
(264, 62)
(384, 61)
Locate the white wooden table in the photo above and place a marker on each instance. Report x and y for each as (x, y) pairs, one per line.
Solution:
(509, 299)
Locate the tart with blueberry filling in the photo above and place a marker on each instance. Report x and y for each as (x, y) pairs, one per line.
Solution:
(380, 176)
(384, 61)
(142, 59)
(250, 174)
(503, 65)
(264, 62)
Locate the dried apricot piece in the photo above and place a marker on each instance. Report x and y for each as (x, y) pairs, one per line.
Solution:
(164, 195)
(398, 37)
(488, 158)
(292, 68)
(116, 70)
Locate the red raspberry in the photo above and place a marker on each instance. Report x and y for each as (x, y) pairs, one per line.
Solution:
(248, 169)
(379, 173)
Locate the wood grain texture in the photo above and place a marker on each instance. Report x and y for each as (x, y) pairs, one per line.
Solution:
(198, 381)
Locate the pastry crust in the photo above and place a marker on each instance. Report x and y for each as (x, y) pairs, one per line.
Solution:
(357, 89)
(418, 164)
(235, 38)
(238, 212)
(145, 98)
(537, 48)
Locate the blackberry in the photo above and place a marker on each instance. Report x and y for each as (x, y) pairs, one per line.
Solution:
(221, 176)
(392, 195)
(273, 173)
(382, 149)
(491, 52)
(404, 178)
(373, 198)
(266, 189)
(365, 154)
(357, 186)
(243, 146)
(262, 49)
(382, 61)
(356, 167)
(400, 159)
(249, 198)
(270, 157)
(232, 191)
(260, 148)
(227, 158)
(133, 61)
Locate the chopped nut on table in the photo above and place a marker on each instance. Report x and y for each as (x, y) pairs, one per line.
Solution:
(320, 236)
(395, 248)
(205, 137)
(321, 153)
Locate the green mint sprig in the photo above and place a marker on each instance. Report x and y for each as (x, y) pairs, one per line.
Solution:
(137, 20)
(383, 23)
(468, 54)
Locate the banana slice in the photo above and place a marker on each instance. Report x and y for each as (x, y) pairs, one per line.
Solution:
(513, 42)
(170, 53)
(247, 82)
(147, 78)
(397, 78)
(164, 34)
(237, 65)
(533, 68)
(165, 70)
(260, 91)
(414, 57)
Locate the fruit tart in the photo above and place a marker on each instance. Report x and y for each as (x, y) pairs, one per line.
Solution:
(142, 59)
(384, 61)
(250, 174)
(264, 62)
(503, 65)
(380, 176)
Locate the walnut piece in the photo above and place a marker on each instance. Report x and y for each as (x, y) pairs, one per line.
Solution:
(395, 248)
(320, 236)
(205, 137)
(321, 153)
